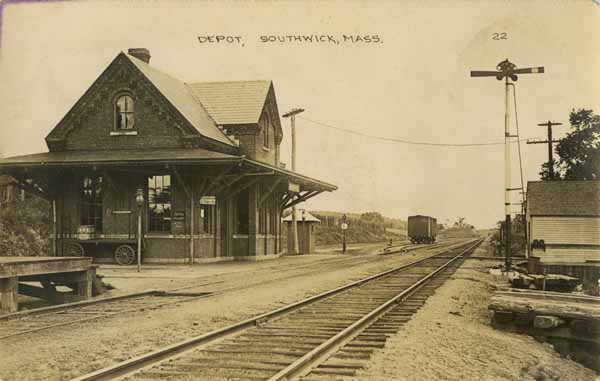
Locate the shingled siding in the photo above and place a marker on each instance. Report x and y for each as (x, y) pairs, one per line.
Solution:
(152, 131)
(563, 198)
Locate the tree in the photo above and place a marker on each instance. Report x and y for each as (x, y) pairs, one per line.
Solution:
(579, 151)
(518, 242)
(460, 223)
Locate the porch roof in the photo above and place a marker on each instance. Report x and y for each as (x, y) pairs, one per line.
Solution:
(114, 157)
(147, 157)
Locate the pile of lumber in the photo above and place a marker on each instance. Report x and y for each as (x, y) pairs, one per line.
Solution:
(549, 282)
(571, 323)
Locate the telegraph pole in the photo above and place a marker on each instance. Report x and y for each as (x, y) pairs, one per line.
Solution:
(508, 71)
(548, 124)
(292, 114)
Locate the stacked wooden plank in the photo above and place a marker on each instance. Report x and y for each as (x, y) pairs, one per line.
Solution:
(549, 282)
(570, 322)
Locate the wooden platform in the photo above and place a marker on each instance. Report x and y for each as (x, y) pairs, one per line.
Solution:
(570, 322)
(76, 273)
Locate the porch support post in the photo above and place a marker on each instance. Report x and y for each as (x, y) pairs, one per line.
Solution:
(202, 188)
(218, 178)
(253, 222)
(109, 180)
(54, 230)
(302, 198)
(9, 288)
(189, 191)
(243, 187)
(285, 199)
(270, 191)
(183, 184)
(192, 204)
(230, 183)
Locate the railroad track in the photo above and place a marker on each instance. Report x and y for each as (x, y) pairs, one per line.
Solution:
(407, 247)
(51, 317)
(40, 319)
(327, 335)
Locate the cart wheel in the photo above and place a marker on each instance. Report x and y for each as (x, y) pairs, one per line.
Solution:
(75, 249)
(124, 255)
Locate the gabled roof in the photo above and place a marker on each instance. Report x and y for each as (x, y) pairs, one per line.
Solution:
(239, 102)
(563, 198)
(182, 98)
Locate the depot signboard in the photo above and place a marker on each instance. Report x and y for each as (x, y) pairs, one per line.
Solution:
(208, 200)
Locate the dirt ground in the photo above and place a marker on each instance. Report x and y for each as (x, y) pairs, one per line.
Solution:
(62, 353)
(127, 280)
(450, 338)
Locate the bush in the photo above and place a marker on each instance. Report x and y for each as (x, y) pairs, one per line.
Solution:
(26, 228)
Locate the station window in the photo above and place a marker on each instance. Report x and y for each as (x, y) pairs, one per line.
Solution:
(266, 130)
(91, 205)
(208, 219)
(159, 203)
(124, 113)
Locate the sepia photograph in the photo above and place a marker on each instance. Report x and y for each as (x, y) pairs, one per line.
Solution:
(350, 190)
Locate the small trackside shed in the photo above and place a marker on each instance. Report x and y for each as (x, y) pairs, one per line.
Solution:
(563, 218)
(306, 227)
(199, 161)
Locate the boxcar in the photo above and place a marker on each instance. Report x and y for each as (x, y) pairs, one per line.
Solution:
(422, 229)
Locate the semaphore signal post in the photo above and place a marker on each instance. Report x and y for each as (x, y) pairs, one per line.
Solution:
(508, 71)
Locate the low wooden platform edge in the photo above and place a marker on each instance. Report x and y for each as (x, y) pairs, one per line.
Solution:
(19, 314)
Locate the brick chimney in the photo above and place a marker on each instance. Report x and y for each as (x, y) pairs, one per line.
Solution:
(140, 53)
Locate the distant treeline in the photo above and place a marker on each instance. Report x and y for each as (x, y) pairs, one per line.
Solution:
(368, 218)
(362, 228)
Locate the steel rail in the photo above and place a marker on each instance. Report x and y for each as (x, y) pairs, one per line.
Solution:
(309, 361)
(82, 303)
(67, 307)
(408, 247)
(149, 292)
(128, 367)
(173, 292)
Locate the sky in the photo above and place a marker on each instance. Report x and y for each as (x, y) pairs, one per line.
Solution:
(413, 84)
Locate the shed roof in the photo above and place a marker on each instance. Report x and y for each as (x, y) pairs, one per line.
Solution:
(182, 98)
(239, 102)
(301, 215)
(563, 198)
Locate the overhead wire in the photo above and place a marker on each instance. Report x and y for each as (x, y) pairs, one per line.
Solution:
(404, 141)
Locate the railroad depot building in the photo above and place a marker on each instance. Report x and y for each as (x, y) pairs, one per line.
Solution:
(199, 161)
(563, 218)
